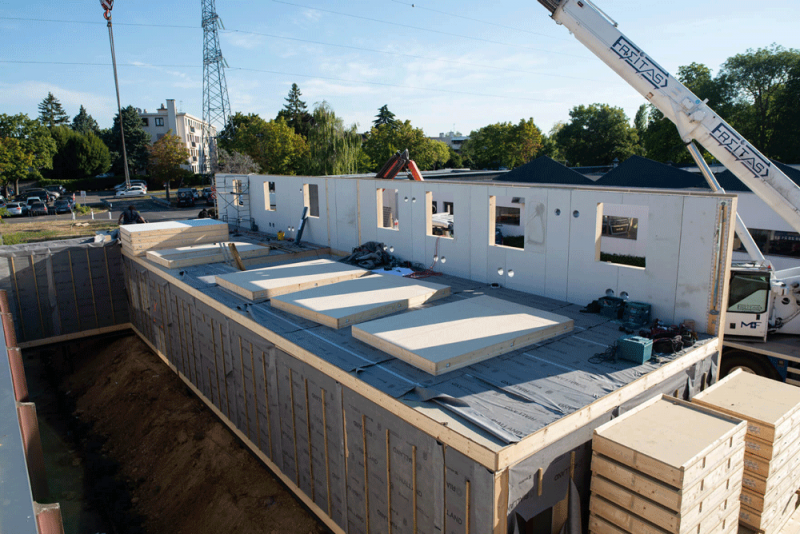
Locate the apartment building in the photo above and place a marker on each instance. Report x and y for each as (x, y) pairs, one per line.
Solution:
(188, 127)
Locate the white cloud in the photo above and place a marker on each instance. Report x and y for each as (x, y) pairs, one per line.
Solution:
(248, 41)
(25, 96)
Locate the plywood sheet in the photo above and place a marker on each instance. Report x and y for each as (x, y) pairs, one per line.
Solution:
(261, 284)
(653, 439)
(447, 337)
(763, 402)
(175, 258)
(355, 301)
(171, 227)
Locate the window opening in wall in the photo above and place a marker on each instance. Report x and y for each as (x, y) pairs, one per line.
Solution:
(440, 222)
(269, 196)
(506, 222)
(237, 192)
(621, 234)
(387, 208)
(159, 121)
(311, 199)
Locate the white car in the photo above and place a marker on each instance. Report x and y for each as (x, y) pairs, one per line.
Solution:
(134, 191)
(141, 183)
(16, 208)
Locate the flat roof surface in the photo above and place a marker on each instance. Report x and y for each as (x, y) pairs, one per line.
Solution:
(495, 402)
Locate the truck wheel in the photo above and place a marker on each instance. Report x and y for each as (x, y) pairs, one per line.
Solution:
(748, 362)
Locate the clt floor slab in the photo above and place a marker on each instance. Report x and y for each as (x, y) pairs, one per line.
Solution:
(448, 337)
(362, 299)
(367, 440)
(175, 258)
(267, 282)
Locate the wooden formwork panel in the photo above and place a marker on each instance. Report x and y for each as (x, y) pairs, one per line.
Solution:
(652, 439)
(268, 282)
(444, 338)
(768, 406)
(363, 299)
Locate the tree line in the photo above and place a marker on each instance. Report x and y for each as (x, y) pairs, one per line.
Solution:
(757, 92)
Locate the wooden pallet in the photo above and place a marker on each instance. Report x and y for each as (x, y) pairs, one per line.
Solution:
(443, 338)
(269, 282)
(363, 299)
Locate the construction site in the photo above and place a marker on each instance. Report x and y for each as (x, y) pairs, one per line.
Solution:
(393, 353)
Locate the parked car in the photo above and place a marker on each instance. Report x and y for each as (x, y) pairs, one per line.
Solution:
(56, 190)
(17, 209)
(133, 191)
(195, 193)
(30, 200)
(40, 193)
(185, 197)
(210, 198)
(122, 186)
(105, 175)
(207, 191)
(62, 206)
(38, 208)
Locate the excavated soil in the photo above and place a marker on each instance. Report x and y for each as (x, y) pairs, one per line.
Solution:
(178, 467)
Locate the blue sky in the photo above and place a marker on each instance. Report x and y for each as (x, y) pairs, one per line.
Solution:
(446, 64)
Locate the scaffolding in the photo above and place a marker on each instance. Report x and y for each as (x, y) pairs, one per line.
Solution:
(233, 201)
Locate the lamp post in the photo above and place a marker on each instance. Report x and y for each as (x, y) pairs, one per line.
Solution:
(107, 6)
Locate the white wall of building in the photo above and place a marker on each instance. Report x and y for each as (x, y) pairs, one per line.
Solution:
(187, 127)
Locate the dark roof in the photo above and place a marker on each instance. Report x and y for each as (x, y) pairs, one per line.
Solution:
(729, 182)
(544, 170)
(637, 171)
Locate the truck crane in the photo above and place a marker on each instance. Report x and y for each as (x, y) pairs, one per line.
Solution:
(763, 316)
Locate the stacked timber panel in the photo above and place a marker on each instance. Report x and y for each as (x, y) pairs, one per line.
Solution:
(772, 457)
(178, 258)
(667, 466)
(139, 238)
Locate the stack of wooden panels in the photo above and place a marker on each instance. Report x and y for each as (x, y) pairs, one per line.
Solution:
(772, 444)
(139, 238)
(667, 466)
(178, 258)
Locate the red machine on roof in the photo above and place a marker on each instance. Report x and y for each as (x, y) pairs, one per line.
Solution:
(397, 163)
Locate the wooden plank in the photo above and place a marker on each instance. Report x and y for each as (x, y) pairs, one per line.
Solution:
(632, 523)
(763, 402)
(653, 439)
(729, 525)
(675, 522)
(447, 337)
(176, 258)
(169, 227)
(676, 499)
(75, 335)
(355, 301)
(260, 284)
(762, 485)
(769, 450)
(501, 502)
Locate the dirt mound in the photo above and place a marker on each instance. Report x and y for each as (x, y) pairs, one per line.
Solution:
(186, 472)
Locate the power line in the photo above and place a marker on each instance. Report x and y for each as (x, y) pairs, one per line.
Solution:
(460, 36)
(322, 43)
(456, 15)
(282, 73)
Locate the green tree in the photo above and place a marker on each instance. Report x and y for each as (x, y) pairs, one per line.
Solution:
(596, 135)
(385, 140)
(83, 123)
(165, 158)
(333, 148)
(758, 78)
(34, 138)
(640, 123)
(384, 116)
(15, 162)
(273, 145)
(235, 163)
(454, 160)
(503, 144)
(295, 111)
(78, 155)
(227, 137)
(785, 145)
(137, 142)
(51, 113)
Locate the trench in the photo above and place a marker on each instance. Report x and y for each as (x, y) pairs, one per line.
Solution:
(130, 449)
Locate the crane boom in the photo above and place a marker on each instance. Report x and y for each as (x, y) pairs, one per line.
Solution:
(694, 119)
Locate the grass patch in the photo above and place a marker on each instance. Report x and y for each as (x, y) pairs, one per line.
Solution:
(32, 232)
(634, 261)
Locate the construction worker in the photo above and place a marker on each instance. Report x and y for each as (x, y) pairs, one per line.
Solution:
(130, 216)
(203, 214)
